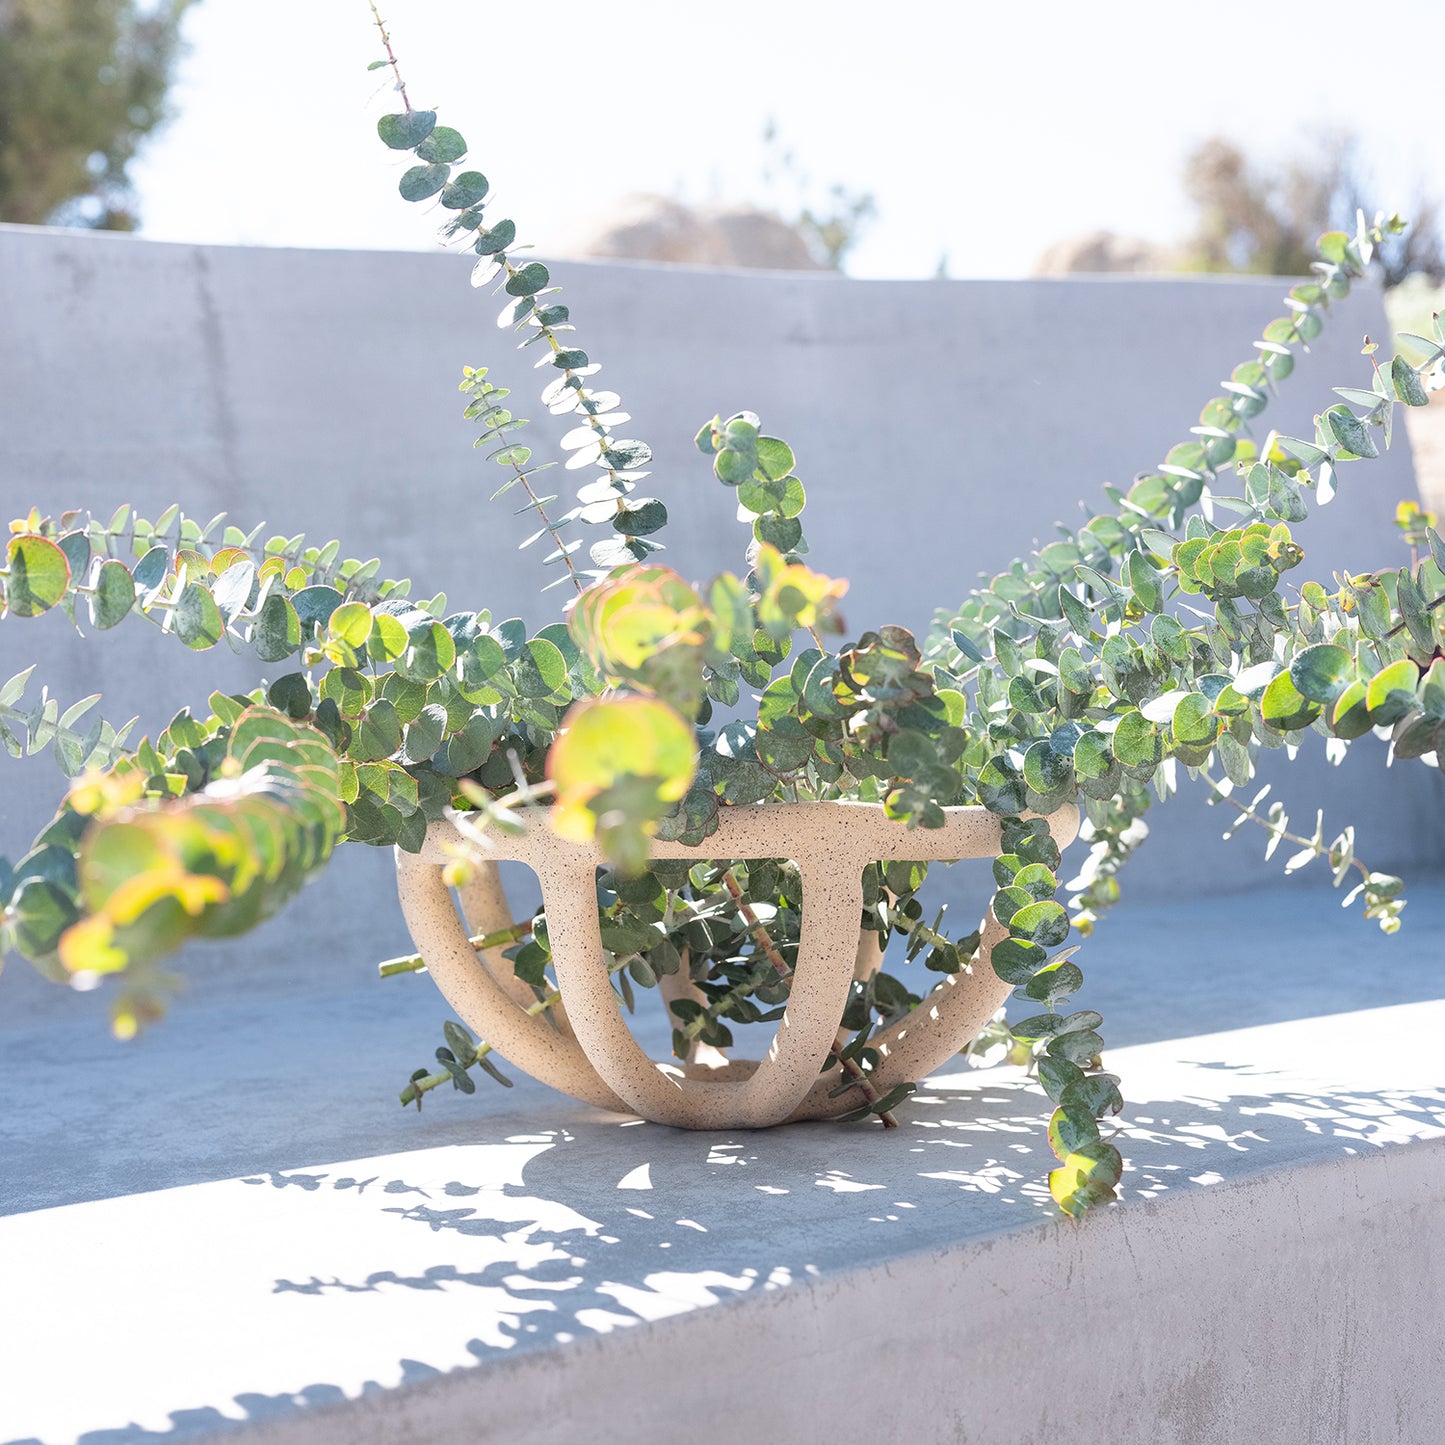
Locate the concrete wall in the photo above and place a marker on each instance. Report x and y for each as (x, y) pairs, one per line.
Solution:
(317, 390)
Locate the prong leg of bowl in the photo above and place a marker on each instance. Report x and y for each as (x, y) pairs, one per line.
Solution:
(929, 1035)
(827, 952)
(869, 958)
(484, 904)
(486, 910)
(483, 1005)
(868, 961)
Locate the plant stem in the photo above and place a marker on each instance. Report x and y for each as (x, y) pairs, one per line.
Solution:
(481, 942)
(765, 942)
(417, 1087)
(390, 54)
(1244, 810)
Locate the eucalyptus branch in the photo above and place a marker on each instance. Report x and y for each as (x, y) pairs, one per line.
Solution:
(31, 732)
(390, 54)
(422, 1082)
(1381, 890)
(480, 942)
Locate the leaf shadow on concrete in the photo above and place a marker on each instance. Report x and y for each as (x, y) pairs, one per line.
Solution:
(446, 1258)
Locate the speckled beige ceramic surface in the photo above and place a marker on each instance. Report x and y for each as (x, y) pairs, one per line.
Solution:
(594, 1056)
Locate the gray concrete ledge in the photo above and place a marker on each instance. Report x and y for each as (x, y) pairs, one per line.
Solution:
(1273, 1274)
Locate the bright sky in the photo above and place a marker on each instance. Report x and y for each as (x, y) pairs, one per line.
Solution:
(985, 131)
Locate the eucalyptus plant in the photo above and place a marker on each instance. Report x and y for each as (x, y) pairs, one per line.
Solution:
(1159, 636)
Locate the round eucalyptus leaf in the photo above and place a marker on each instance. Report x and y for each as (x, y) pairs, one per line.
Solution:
(350, 623)
(1391, 693)
(1350, 432)
(423, 735)
(1283, 708)
(198, 620)
(784, 746)
(1009, 901)
(1070, 1129)
(407, 130)
(541, 670)
(1322, 672)
(290, 694)
(1144, 582)
(1001, 786)
(490, 243)
(775, 458)
(235, 588)
(1045, 770)
(347, 690)
(1350, 713)
(1093, 755)
(378, 735)
(422, 181)
(1028, 694)
(1037, 880)
(114, 594)
(1098, 1094)
(1415, 736)
(640, 518)
(39, 575)
(528, 279)
(1045, 923)
(818, 694)
(277, 632)
(314, 605)
(733, 467)
(1074, 673)
(76, 546)
(41, 912)
(1078, 1046)
(1016, 961)
(1055, 981)
(430, 651)
(1057, 1074)
(1137, 743)
(442, 145)
(1088, 1176)
(388, 638)
(467, 750)
(1194, 723)
(784, 533)
(466, 190)
(1432, 689)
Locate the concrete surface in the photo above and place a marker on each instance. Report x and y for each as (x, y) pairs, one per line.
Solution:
(317, 390)
(548, 1273)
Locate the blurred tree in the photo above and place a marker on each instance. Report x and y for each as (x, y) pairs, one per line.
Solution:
(82, 83)
(1267, 222)
(795, 227)
(832, 224)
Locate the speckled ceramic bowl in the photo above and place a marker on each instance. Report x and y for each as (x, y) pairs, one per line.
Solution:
(592, 1054)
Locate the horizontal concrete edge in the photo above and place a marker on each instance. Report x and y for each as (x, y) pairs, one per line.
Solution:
(1295, 1307)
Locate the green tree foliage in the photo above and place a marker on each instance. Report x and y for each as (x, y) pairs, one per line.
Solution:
(82, 84)
(831, 223)
(1266, 221)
